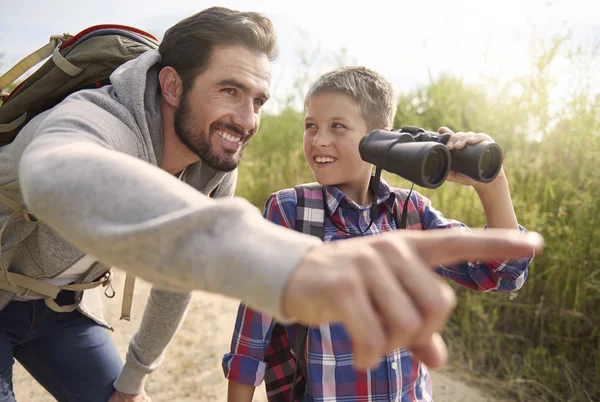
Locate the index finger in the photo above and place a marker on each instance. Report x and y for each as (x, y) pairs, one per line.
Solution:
(449, 246)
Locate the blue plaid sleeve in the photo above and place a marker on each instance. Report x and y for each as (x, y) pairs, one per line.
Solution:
(483, 276)
(280, 208)
(245, 362)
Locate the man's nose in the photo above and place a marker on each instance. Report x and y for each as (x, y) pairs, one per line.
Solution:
(245, 117)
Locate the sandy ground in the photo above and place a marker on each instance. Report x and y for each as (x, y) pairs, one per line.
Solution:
(192, 368)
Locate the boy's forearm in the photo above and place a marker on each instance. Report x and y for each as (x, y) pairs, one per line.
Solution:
(239, 392)
(497, 204)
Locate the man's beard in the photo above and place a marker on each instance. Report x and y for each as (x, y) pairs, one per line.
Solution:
(199, 142)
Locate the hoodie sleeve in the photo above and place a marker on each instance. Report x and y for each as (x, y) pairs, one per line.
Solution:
(163, 316)
(131, 214)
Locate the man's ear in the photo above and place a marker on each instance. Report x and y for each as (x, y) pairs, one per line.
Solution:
(170, 85)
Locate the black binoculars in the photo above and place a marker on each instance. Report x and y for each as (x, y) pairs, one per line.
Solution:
(422, 156)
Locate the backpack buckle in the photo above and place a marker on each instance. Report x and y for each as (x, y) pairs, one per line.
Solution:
(30, 218)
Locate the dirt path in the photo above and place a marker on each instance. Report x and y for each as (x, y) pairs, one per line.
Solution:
(192, 368)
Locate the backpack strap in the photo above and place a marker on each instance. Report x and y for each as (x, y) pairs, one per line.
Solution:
(19, 209)
(310, 217)
(412, 217)
(309, 210)
(127, 297)
(31, 60)
(26, 286)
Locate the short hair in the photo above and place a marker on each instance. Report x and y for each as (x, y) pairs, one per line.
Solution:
(373, 93)
(187, 46)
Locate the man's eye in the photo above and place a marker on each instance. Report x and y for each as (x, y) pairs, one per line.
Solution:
(259, 102)
(230, 91)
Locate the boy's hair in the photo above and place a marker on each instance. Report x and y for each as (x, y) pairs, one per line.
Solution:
(187, 45)
(373, 93)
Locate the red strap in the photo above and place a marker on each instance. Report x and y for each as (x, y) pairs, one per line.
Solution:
(107, 26)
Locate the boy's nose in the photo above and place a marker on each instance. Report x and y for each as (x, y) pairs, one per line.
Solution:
(322, 139)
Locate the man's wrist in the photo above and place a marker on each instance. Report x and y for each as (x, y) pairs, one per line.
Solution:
(130, 381)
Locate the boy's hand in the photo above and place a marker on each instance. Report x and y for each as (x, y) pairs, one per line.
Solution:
(495, 195)
(458, 141)
(383, 288)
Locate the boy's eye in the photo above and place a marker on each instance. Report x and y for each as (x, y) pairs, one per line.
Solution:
(309, 126)
(337, 125)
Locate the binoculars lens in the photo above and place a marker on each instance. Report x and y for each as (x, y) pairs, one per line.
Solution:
(434, 166)
(490, 163)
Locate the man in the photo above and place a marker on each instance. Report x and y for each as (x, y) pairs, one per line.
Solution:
(100, 171)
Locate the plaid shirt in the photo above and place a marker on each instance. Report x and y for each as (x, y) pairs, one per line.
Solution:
(260, 348)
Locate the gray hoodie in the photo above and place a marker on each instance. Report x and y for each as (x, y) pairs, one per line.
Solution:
(89, 170)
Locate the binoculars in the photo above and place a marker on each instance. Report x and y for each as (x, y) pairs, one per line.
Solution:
(422, 156)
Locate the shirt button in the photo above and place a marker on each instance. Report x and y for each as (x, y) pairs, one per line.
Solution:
(394, 366)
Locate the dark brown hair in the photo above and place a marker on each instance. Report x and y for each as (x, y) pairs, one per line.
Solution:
(187, 45)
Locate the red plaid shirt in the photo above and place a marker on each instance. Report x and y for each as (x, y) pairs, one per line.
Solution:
(261, 349)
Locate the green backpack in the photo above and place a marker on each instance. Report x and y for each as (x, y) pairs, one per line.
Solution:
(78, 62)
(83, 61)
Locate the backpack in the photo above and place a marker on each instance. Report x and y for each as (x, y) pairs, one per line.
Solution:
(310, 219)
(78, 62)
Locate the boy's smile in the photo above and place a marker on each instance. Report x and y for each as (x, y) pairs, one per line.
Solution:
(323, 160)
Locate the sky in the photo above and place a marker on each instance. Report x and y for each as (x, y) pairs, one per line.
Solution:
(409, 42)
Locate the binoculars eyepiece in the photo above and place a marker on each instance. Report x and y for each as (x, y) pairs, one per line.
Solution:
(422, 156)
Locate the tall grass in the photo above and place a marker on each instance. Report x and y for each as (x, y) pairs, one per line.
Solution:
(541, 343)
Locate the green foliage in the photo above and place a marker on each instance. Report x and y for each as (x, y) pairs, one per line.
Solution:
(541, 343)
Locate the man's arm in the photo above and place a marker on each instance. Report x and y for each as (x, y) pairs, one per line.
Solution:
(139, 218)
(163, 315)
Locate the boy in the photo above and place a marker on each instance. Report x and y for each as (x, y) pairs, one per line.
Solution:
(341, 108)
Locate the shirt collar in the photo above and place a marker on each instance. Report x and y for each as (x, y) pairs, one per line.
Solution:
(335, 197)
